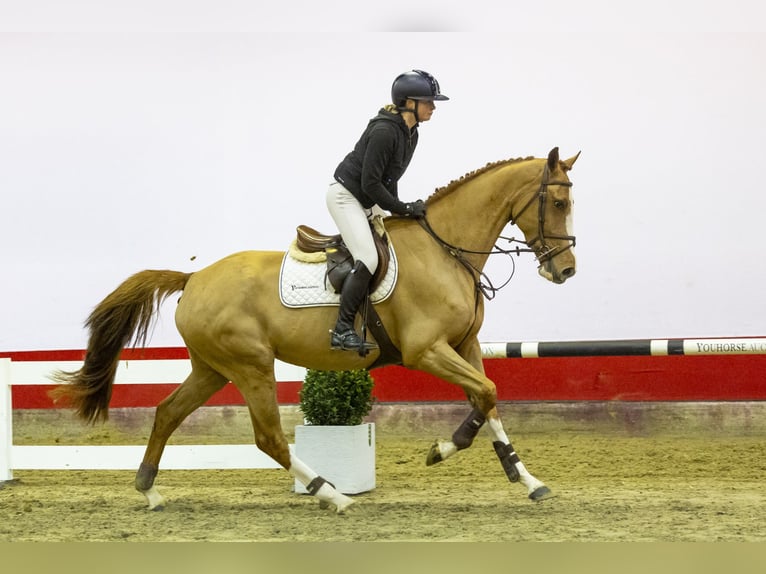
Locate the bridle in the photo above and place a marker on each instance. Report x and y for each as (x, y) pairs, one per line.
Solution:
(543, 252)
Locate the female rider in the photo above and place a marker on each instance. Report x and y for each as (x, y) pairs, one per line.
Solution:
(366, 184)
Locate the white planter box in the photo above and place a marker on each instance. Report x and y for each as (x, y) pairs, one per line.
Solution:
(343, 455)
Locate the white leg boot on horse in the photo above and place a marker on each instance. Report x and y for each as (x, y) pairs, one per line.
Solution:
(258, 387)
(318, 486)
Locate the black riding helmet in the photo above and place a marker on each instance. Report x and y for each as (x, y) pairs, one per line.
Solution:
(415, 85)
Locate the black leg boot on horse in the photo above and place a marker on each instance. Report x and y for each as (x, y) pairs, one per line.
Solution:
(354, 292)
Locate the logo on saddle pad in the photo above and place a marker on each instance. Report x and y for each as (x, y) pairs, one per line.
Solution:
(304, 281)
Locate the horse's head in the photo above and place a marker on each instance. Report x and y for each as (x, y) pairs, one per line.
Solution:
(546, 220)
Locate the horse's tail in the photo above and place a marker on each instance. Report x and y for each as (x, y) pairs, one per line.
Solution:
(124, 315)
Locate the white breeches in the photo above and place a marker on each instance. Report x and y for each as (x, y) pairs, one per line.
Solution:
(353, 224)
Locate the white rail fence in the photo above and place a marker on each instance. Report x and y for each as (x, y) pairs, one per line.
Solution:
(123, 457)
(247, 456)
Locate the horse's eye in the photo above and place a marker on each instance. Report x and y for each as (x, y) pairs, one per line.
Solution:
(559, 204)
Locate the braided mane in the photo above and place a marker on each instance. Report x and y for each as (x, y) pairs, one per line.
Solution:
(455, 183)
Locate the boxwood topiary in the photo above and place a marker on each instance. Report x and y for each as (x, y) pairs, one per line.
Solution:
(341, 398)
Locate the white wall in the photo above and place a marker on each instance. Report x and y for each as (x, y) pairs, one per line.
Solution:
(129, 143)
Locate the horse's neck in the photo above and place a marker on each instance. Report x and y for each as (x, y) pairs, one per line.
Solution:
(473, 214)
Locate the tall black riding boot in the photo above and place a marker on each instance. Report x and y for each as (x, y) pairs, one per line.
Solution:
(352, 296)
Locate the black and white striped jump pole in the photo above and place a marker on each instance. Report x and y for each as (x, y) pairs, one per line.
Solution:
(625, 347)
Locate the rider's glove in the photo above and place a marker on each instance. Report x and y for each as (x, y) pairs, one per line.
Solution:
(416, 209)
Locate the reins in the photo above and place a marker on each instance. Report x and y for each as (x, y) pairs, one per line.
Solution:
(487, 289)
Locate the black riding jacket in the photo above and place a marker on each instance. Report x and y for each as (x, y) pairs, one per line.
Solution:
(380, 157)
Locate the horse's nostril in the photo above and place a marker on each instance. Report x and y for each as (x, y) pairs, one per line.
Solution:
(568, 272)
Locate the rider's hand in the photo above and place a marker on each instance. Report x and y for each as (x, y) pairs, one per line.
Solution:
(416, 209)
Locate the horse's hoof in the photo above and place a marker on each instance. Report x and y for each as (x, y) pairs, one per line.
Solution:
(340, 502)
(158, 508)
(541, 493)
(154, 499)
(342, 506)
(434, 455)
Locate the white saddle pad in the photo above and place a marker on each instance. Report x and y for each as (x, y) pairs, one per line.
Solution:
(303, 284)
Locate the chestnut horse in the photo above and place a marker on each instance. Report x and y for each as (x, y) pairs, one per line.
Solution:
(234, 326)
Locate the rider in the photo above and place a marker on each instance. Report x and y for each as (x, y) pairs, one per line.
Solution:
(366, 184)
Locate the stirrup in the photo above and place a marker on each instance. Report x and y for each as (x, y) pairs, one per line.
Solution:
(349, 341)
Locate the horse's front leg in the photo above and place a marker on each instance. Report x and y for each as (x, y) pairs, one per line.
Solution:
(466, 370)
(512, 465)
(463, 437)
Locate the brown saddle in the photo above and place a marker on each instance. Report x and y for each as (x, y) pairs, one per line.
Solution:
(339, 259)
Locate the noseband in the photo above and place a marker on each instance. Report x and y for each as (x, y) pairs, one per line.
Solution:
(544, 252)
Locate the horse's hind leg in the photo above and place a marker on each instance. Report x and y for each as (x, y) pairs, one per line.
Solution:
(198, 387)
(258, 388)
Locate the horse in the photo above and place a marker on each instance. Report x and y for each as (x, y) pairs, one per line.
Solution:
(234, 325)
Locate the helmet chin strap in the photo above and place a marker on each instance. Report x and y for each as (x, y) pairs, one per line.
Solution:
(413, 111)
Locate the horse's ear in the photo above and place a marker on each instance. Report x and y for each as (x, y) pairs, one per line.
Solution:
(553, 158)
(568, 163)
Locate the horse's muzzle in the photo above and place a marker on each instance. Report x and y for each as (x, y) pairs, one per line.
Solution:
(554, 275)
